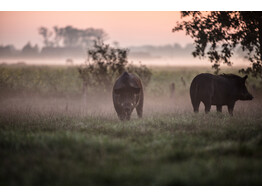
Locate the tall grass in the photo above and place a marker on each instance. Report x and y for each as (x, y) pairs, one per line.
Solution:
(59, 140)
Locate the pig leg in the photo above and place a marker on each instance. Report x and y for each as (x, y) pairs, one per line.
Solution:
(139, 108)
(231, 108)
(207, 104)
(219, 108)
(121, 116)
(120, 113)
(196, 104)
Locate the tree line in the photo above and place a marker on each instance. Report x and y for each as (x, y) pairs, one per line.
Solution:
(58, 41)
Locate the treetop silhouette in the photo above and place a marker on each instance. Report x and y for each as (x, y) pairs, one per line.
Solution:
(217, 33)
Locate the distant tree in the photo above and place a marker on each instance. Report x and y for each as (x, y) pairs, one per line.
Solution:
(47, 34)
(70, 36)
(7, 50)
(58, 35)
(30, 50)
(216, 34)
(89, 35)
(116, 44)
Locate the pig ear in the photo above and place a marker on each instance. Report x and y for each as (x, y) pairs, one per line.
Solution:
(245, 77)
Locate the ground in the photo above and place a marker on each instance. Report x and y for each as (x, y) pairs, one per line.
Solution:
(49, 135)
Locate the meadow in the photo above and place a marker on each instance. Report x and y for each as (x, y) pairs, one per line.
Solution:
(49, 135)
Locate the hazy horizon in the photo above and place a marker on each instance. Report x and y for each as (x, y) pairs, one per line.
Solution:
(134, 30)
(128, 28)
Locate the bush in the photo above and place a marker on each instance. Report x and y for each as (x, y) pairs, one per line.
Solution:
(142, 71)
(105, 63)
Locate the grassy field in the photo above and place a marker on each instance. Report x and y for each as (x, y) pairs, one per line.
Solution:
(50, 136)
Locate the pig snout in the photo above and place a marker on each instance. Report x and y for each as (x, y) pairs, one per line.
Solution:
(127, 107)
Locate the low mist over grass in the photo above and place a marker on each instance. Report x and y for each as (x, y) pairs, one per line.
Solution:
(49, 135)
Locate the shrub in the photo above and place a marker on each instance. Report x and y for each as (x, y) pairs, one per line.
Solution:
(105, 63)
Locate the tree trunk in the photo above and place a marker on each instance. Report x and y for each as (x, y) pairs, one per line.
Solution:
(260, 41)
(260, 34)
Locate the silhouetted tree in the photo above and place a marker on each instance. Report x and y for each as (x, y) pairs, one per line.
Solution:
(104, 64)
(47, 34)
(70, 36)
(58, 35)
(7, 50)
(29, 50)
(222, 32)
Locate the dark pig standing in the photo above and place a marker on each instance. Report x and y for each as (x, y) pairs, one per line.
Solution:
(218, 90)
(127, 95)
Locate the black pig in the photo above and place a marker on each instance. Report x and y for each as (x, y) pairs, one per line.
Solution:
(127, 95)
(218, 90)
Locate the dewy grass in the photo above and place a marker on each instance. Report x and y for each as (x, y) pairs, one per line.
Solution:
(43, 142)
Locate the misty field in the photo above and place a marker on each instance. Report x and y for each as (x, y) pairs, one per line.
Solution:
(49, 135)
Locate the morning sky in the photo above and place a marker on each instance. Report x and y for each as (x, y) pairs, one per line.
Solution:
(129, 28)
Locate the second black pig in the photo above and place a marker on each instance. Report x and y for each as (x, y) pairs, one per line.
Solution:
(218, 90)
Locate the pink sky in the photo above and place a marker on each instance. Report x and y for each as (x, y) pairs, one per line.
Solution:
(129, 28)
